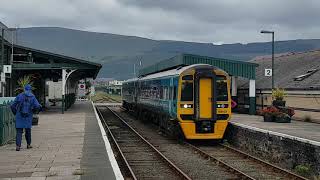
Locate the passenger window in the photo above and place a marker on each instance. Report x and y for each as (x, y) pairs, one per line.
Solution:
(174, 93)
(161, 92)
(187, 91)
(166, 92)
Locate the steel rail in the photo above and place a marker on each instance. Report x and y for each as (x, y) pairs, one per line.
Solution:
(110, 98)
(171, 164)
(274, 167)
(241, 174)
(265, 163)
(117, 145)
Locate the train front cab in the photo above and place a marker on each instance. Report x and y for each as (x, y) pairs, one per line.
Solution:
(204, 105)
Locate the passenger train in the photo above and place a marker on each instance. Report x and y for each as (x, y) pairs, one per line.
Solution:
(193, 101)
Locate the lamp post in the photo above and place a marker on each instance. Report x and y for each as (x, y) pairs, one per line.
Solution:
(134, 67)
(12, 29)
(2, 47)
(271, 32)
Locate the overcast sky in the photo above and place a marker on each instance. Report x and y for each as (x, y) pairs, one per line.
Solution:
(214, 21)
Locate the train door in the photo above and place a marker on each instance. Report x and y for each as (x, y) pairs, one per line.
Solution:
(205, 101)
(205, 98)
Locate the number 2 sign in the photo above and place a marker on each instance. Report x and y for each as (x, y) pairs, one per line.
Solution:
(267, 72)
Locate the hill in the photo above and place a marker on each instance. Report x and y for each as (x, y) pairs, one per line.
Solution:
(118, 53)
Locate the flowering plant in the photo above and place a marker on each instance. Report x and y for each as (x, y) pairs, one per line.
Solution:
(268, 111)
(278, 94)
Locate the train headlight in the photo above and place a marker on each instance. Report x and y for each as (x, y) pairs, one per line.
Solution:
(222, 105)
(186, 105)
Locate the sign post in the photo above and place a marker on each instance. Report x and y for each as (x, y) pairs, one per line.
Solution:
(81, 90)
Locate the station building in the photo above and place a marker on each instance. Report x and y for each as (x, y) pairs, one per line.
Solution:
(298, 74)
(41, 67)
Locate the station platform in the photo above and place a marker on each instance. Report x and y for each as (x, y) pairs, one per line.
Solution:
(296, 130)
(288, 145)
(65, 146)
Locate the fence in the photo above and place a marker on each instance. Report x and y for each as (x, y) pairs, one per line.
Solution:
(306, 103)
(7, 121)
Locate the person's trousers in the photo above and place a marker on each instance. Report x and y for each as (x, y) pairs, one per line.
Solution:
(19, 136)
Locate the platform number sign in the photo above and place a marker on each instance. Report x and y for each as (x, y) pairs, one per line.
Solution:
(81, 90)
(268, 72)
(7, 69)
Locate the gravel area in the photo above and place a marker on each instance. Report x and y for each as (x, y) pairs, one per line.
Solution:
(188, 160)
(195, 165)
(242, 163)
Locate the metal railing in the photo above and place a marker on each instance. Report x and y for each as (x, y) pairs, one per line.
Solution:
(7, 121)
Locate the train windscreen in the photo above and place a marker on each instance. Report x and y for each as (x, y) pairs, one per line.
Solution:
(222, 89)
(187, 91)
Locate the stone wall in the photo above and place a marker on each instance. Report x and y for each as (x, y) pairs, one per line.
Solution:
(284, 152)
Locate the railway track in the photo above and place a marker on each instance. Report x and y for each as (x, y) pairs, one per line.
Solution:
(226, 162)
(252, 167)
(107, 99)
(142, 160)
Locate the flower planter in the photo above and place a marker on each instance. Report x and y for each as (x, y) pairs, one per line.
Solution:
(283, 119)
(279, 103)
(268, 118)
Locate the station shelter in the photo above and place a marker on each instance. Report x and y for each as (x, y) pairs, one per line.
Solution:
(234, 68)
(19, 64)
(44, 66)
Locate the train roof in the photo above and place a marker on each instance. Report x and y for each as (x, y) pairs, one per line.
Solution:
(130, 80)
(172, 72)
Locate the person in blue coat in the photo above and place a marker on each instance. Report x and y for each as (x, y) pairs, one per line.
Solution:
(23, 107)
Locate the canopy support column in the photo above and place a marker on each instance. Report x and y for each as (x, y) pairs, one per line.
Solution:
(65, 74)
(252, 97)
(234, 89)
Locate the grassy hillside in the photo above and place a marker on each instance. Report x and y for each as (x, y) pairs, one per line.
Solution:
(118, 53)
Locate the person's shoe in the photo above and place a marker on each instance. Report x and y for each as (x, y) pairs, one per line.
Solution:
(29, 146)
(17, 148)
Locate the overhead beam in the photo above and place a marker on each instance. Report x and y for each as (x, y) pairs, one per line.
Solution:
(52, 66)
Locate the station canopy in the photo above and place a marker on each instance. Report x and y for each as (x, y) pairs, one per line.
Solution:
(232, 67)
(26, 58)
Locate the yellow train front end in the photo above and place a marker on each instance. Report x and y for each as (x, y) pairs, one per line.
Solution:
(204, 102)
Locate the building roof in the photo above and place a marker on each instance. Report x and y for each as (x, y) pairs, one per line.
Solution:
(8, 34)
(42, 60)
(232, 67)
(46, 60)
(291, 71)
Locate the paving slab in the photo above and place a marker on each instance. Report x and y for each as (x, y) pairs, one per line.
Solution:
(296, 129)
(63, 148)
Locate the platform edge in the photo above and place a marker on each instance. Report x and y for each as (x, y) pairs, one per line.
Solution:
(308, 141)
(114, 164)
